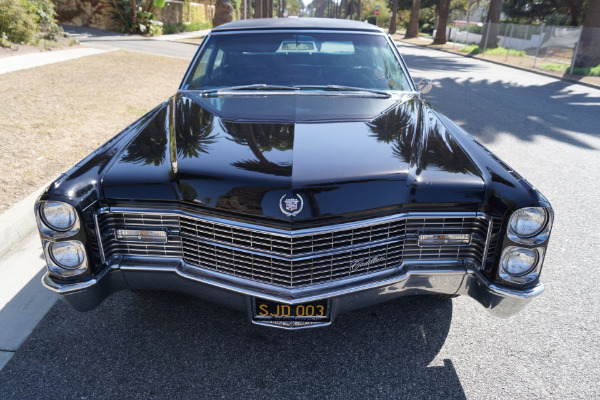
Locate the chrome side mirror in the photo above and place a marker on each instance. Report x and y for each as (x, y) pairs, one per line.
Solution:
(424, 86)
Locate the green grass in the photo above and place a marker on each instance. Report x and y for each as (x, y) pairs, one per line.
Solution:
(501, 51)
(498, 51)
(180, 27)
(588, 71)
(471, 49)
(555, 67)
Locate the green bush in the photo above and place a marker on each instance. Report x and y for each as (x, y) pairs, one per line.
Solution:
(16, 22)
(21, 19)
(46, 18)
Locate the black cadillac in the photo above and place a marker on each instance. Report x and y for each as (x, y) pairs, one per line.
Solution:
(296, 174)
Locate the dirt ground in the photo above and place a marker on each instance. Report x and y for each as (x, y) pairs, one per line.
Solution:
(61, 43)
(524, 62)
(53, 116)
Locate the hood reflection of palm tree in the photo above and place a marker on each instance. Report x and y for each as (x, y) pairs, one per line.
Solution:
(193, 136)
(419, 139)
(150, 146)
(193, 128)
(262, 138)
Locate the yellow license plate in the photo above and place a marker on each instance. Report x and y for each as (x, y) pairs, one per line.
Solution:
(270, 310)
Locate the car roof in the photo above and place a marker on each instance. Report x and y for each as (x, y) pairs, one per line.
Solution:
(297, 23)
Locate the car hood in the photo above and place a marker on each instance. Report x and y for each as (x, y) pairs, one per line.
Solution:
(361, 156)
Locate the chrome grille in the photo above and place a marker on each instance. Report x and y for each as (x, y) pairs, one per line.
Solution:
(107, 224)
(294, 259)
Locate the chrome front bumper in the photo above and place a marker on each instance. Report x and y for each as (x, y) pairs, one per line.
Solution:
(347, 295)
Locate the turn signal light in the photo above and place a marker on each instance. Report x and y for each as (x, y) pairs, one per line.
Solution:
(452, 239)
(133, 235)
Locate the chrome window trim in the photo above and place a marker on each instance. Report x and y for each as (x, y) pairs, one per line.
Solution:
(297, 233)
(297, 30)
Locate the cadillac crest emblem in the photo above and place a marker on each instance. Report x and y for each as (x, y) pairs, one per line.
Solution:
(291, 206)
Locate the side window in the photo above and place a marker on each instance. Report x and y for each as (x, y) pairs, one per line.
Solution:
(392, 70)
(202, 64)
(218, 59)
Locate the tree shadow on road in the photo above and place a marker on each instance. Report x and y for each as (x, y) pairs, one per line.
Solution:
(174, 346)
(488, 108)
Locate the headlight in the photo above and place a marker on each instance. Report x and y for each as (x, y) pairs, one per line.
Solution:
(519, 264)
(528, 222)
(58, 215)
(530, 226)
(68, 255)
(66, 258)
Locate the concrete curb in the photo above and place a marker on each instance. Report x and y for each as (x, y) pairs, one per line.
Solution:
(18, 221)
(535, 71)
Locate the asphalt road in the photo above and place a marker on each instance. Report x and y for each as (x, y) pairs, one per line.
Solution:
(101, 39)
(178, 347)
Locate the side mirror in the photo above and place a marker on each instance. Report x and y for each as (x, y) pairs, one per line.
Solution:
(424, 86)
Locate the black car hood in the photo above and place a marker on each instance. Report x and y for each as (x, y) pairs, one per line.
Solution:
(364, 156)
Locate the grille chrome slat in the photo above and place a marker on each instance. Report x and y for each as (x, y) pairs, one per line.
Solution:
(295, 260)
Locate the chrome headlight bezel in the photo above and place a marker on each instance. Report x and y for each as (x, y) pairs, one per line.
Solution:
(536, 238)
(47, 229)
(526, 276)
(63, 271)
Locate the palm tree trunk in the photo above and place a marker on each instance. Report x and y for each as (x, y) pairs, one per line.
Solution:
(393, 17)
(258, 8)
(412, 30)
(588, 54)
(493, 20)
(133, 15)
(440, 33)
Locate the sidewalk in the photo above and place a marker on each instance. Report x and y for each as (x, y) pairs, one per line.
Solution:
(23, 300)
(32, 60)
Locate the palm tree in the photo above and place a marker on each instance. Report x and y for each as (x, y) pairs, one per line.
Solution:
(412, 29)
(588, 54)
(223, 12)
(392, 29)
(440, 33)
(489, 39)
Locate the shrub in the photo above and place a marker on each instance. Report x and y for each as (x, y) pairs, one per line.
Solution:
(21, 19)
(46, 18)
(16, 22)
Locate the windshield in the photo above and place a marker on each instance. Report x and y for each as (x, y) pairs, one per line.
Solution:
(295, 59)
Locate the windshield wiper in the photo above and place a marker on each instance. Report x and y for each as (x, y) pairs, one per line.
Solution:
(345, 88)
(256, 86)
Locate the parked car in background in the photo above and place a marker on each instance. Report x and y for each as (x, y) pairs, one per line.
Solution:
(296, 174)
